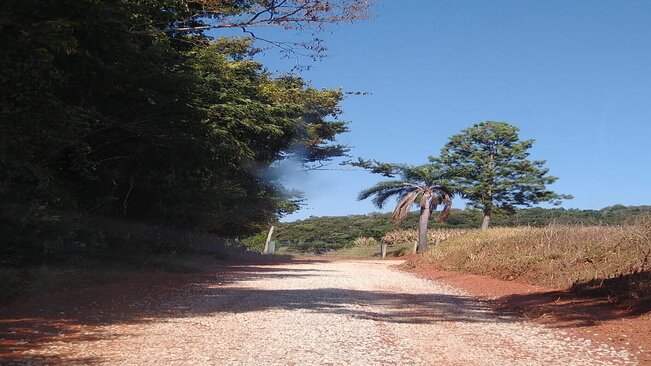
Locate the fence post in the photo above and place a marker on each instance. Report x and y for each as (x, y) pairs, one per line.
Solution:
(266, 243)
(383, 250)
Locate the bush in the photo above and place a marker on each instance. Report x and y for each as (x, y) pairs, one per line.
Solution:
(255, 242)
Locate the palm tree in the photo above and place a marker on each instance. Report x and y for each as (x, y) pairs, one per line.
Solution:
(423, 186)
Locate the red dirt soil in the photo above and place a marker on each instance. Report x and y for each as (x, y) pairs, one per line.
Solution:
(592, 318)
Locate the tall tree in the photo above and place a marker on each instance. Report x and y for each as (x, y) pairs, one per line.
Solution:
(489, 164)
(423, 186)
(128, 109)
(308, 17)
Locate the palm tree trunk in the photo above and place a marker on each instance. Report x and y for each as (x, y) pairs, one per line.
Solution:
(486, 221)
(422, 228)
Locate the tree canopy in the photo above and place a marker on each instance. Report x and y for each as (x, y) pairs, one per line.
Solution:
(490, 165)
(423, 186)
(128, 109)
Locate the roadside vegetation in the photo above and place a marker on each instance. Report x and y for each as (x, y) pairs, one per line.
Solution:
(337, 232)
(120, 250)
(613, 261)
(596, 253)
(401, 237)
(369, 250)
(144, 113)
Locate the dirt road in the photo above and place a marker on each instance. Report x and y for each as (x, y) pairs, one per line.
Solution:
(325, 313)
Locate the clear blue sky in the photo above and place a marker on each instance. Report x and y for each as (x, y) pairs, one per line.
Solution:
(573, 75)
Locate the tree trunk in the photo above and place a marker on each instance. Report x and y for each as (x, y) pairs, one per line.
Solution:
(485, 221)
(422, 228)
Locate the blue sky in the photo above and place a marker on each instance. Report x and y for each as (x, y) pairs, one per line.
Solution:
(573, 75)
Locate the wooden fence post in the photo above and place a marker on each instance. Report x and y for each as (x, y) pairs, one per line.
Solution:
(266, 243)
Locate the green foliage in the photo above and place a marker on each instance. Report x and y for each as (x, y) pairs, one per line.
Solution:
(423, 185)
(374, 166)
(255, 242)
(341, 231)
(420, 185)
(107, 111)
(489, 164)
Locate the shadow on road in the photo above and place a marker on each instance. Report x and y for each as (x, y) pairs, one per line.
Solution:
(30, 324)
(586, 303)
(393, 307)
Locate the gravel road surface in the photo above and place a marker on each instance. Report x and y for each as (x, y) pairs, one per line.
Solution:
(326, 313)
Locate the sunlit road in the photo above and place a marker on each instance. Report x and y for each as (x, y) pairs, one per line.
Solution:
(334, 313)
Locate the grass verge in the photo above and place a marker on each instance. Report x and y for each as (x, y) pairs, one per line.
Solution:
(593, 260)
(366, 251)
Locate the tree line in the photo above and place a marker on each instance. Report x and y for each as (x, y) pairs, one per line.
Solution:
(129, 110)
(335, 232)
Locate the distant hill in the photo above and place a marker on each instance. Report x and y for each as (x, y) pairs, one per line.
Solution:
(333, 232)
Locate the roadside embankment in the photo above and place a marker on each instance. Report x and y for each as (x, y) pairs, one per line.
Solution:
(592, 279)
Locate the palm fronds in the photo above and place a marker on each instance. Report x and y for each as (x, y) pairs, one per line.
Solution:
(385, 190)
(443, 198)
(402, 208)
(418, 183)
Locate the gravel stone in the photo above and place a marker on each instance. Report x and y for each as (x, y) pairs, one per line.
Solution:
(329, 313)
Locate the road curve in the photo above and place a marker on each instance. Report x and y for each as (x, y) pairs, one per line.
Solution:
(328, 313)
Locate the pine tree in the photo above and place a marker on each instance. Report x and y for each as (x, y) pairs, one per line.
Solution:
(489, 164)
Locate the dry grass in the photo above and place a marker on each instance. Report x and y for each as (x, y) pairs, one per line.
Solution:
(553, 256)
(366, 252)
(402, 237)
(365, 241)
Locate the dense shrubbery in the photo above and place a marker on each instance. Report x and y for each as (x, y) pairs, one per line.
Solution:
(108, 108)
